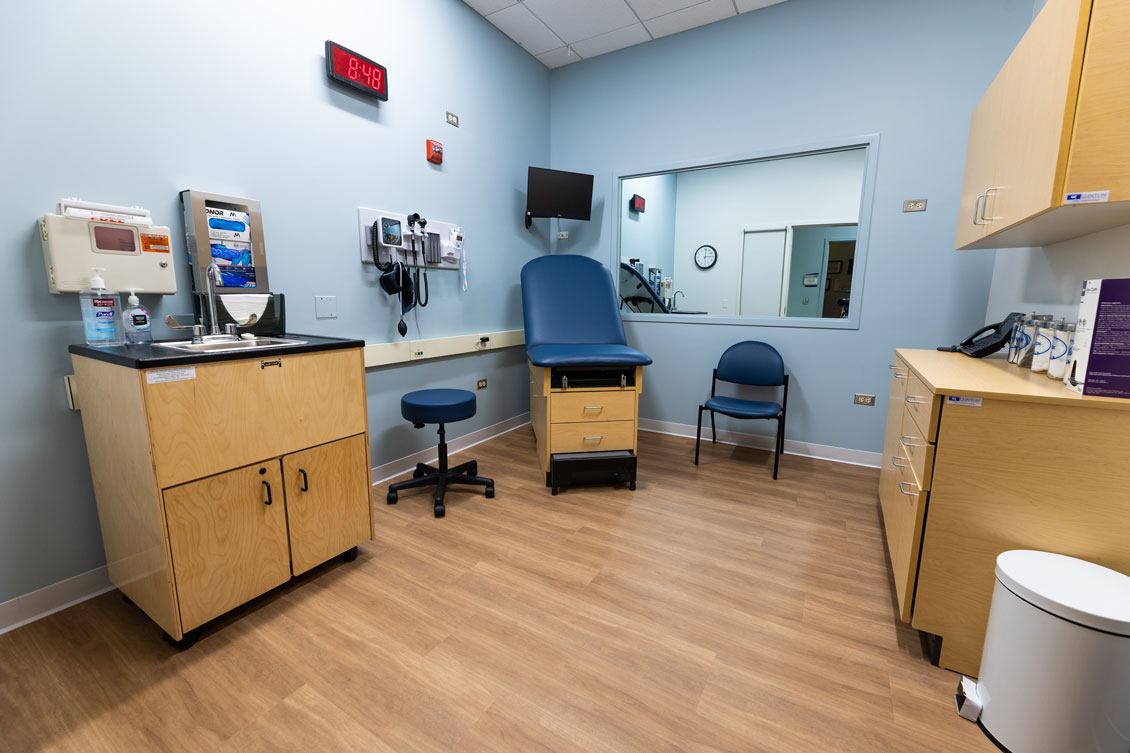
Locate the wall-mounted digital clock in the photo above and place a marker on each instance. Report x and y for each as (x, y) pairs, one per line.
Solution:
(356, 71)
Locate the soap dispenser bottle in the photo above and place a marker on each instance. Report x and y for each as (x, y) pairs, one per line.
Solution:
(101, 313)
(136, 321)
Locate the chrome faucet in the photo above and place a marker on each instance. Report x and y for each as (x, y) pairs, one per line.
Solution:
(675, 300)
(212, 275)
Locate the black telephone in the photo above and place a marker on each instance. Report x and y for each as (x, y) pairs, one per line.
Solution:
(979, 344)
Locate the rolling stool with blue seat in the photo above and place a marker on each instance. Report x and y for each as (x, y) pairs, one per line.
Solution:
(439, 407)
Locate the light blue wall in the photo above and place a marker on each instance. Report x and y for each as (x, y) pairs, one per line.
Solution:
(130, 102)
(801, 72)
(650, 235)
(808, 257)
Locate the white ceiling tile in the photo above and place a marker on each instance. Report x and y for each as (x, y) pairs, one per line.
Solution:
(648, 9)
(580, 19)
(613, 40)
(559, 57)
(689, 18)
(486, 7)
(745, 6)
(524, 28)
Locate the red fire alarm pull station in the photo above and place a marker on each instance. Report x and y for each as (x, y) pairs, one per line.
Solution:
(435, 152)
(635, 204)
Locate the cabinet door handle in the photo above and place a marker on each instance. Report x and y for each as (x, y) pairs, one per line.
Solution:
(268, 485)
(594, 407)
(978, 210)
(985, 205)
(305, 481)
(914, 399)
(904, 443)
(896, 464)
(901, 374)
(904, 491)
(594, 439)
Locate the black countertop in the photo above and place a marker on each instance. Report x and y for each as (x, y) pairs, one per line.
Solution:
(148, 356)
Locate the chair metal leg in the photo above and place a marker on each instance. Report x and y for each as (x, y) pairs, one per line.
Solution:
(713, 430)
(698, 434)
(780, 445)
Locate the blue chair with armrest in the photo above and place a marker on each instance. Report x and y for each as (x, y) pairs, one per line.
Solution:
(754, 363)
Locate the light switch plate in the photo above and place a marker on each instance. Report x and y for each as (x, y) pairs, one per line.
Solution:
(325, 307)
(914, 205)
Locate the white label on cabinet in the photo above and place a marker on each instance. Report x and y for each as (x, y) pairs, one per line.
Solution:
(1087, 197)
(972, 402)
(157, 376)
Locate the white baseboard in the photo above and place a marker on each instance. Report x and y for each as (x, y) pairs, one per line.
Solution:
(32, 606)
(391, 470)
(761, 442)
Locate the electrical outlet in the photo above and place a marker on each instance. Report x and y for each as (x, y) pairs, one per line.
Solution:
(453, 119)
(482, 384)
(864, 399)
(562, 235)
(914, 205)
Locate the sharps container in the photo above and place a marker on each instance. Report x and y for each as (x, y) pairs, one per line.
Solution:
(1055, 669)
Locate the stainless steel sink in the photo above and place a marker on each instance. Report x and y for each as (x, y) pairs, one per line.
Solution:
(227, 345)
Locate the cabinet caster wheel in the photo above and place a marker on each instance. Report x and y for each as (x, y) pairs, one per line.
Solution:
(632, 485)
(349, 555)
(186, 642)
(554, 491)
(490, 492)
(440, 510)
(392, 498)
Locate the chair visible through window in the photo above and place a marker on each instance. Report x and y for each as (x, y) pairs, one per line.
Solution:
(753, 363)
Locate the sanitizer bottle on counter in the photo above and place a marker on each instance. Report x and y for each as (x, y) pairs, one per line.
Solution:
(136, 321)
(101, 313)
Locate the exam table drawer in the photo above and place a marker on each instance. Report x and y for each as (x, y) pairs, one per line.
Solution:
(591, 436)
(577, 407)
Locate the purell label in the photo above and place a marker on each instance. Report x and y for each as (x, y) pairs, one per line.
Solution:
(972, 402)
(104, 315)
(1087, 197)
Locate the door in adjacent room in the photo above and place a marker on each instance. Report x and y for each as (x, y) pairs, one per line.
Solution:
(763, 267)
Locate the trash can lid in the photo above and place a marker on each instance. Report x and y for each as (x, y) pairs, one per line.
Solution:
(1073, 589)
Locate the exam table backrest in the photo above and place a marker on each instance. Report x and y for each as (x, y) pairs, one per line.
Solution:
(568, 298)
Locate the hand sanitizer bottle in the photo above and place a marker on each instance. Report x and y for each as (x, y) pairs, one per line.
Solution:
(136, 321)
(101, 313)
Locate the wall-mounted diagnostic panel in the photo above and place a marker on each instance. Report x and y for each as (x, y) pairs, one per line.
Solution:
(123, 241)
(439, 246)
(356, 71)
(227, 230)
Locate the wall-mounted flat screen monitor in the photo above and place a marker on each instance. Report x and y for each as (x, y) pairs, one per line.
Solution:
(556, 193)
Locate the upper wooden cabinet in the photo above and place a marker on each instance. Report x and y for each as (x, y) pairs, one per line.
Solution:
(1052, 124)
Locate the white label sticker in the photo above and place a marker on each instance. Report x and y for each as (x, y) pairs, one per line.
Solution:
(972, 402)
(158, 376)
(1087, 197)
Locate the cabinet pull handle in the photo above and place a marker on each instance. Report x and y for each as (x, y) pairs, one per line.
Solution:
(268, 485)
(985, 206)
(904, 491)
(901, 374)
(896, 464)
(594, 439)
(594, 407)
(904, 443)
(914, 399)
(978, 210)
(305, 481)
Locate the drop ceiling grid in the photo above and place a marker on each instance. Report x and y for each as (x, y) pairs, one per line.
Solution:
(559, 32)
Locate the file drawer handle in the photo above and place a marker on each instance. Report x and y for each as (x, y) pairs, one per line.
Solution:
(594, 407)
(903, 441)
(914, 399)
(904, 491)
(901, 374)
(896, 464)
(594, 439)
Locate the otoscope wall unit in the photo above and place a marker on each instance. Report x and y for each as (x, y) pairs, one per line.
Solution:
(439, 247)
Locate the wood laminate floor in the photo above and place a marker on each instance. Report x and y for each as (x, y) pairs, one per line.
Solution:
(711, 610)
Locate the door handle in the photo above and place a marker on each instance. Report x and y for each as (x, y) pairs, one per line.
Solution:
(268, 485)
(978, 210)
(904, 491)
(305, 481)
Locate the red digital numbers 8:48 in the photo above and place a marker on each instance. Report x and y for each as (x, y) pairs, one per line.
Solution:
(370, 74)
(357, 71)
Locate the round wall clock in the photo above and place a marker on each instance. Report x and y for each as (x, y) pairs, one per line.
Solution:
(705, 256)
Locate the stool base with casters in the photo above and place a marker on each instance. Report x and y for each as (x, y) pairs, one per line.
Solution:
(442, 477)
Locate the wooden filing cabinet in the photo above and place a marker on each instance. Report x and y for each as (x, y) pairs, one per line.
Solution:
(219, 481)
(1052, 123)
(981, 457)
(583, 419)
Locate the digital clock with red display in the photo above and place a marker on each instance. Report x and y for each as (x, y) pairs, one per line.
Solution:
(356, 71)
